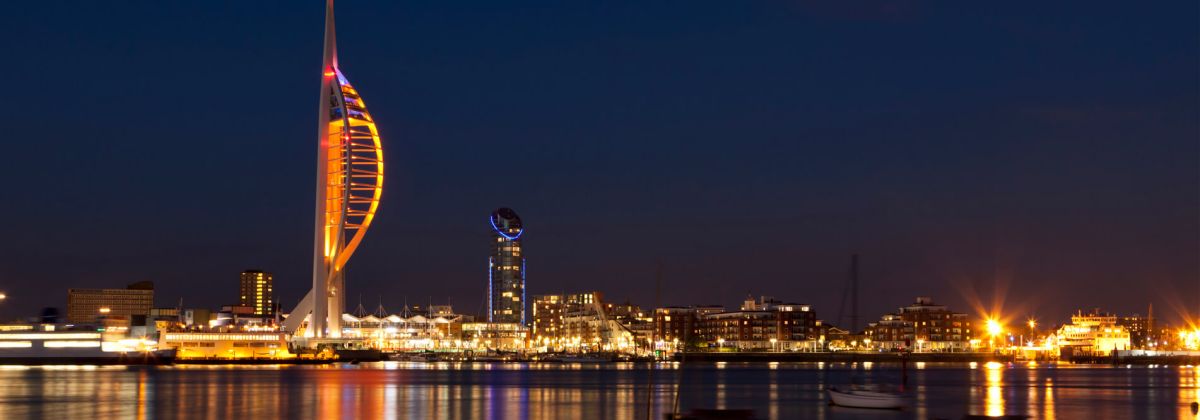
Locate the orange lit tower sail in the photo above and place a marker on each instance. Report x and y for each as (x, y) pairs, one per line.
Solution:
(349, 185)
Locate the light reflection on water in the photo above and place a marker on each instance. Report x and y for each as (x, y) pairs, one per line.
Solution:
(398, 390)
(995, 395)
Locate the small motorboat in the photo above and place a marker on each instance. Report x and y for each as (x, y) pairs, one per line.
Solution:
(865, 399)
(585, 358)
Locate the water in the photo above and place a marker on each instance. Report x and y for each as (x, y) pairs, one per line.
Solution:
(615, 391)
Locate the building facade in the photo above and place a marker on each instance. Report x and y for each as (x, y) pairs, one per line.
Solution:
(547, 317)
(89, 305)
(924, 327)
(505, 336)
(1141, 331)
(256, 291)
(506, 269)
(766, 324)
(584, 321)
(678, 325)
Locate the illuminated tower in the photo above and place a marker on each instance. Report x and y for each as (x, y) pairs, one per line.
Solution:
(349, 184)
(506, 269)
(257, 288)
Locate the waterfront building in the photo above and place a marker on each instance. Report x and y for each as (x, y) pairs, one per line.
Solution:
(257, 292)
(1091, 334)
(675, 326)
(348, 190)
(837, 339)
(923, 326)
(164, 314)
(506, 269)
(507, 336)
(547, 317)
(89, 305)
(549, 311)
(1141, 331)
(584, 321)
(633, 319)
(398, 333)
(196, 317)
(766, 324)
(240, 316)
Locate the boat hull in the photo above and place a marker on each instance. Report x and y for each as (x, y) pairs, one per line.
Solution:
(863, 399)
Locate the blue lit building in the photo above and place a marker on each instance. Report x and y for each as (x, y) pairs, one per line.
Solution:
(506, 269)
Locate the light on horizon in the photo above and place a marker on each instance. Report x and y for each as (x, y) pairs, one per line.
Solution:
(993, 327)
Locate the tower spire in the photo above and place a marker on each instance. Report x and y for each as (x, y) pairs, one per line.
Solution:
(330, 57)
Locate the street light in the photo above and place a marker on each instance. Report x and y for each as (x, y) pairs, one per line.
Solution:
(105, 310)
(3, 296)
(993, 329)
(720, 343)
(773, 341)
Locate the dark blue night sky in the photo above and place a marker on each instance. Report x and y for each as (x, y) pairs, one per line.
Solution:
(1052, 148)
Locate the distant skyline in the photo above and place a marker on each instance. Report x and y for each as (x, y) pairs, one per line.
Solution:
(1050, 149)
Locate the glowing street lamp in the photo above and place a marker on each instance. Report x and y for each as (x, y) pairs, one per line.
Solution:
(105, 310)
(993, 329)
(720, 342)
(773, 341)
(3, 296)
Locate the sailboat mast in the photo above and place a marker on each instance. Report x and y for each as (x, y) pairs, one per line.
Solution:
(854, 294)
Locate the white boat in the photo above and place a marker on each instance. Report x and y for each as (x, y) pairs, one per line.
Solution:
(865, 399)
(50, 344)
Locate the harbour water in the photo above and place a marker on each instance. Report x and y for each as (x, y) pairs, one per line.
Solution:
(405, 390)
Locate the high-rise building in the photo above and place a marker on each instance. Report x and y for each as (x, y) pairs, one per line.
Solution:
(506, 268)
(88, 305)
(256, 291)
(547, 316)
(349, 186)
